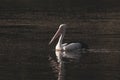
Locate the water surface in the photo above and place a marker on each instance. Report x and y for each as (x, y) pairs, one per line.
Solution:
(25, 53)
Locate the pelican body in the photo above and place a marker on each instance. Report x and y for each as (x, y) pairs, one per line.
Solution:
(63, 48)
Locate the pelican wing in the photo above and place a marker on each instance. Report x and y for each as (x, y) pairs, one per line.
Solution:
(65, 44)
(72, 46)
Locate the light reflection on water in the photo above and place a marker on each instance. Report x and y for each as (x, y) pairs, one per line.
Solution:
(94, 64)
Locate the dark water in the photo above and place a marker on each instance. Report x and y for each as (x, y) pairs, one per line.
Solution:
(24, 50)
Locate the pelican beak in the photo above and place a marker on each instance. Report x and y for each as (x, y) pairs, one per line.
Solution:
(56, 35)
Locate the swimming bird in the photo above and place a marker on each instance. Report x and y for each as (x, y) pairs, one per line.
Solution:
(65, 50)
(64, 47)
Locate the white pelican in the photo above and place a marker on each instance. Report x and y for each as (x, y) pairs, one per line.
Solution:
(64, 47)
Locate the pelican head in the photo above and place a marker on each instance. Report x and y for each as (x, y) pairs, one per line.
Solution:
(60, 31)
(63, 26)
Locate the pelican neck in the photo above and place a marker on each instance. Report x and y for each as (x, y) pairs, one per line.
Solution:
(59, 44)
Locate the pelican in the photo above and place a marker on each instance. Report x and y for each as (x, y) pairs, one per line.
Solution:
(64, 47)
